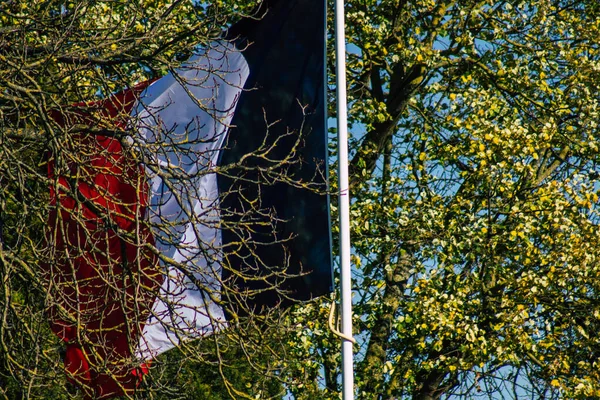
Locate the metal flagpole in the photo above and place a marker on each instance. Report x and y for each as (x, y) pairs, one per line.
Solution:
(344, 204)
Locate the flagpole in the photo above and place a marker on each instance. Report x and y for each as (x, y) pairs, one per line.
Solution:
(344, 204)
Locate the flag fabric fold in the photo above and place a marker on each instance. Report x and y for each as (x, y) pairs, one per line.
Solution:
(213, 207)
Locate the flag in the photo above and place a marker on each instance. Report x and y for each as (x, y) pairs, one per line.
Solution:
(212, 207)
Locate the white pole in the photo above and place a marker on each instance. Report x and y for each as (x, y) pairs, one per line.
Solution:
(344, 204)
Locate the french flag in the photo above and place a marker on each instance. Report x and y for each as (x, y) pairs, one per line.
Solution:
(210, 207)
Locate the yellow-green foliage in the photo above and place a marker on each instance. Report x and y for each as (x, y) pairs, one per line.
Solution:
(475, 201)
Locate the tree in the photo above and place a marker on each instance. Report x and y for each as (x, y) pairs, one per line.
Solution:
(475, 203)
(58, 60)
(474, 179)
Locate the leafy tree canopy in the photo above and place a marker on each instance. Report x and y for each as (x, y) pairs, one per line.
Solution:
(475, 201)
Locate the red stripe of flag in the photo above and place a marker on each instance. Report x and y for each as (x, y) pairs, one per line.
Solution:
(102, 281)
